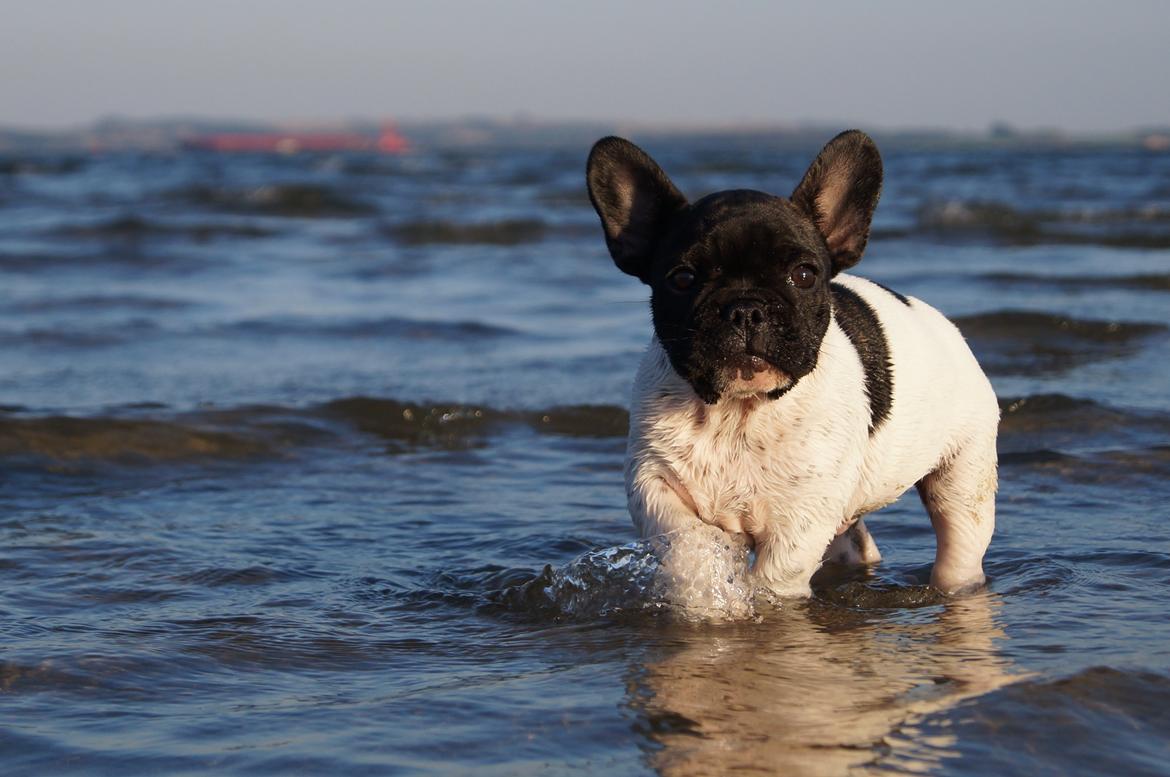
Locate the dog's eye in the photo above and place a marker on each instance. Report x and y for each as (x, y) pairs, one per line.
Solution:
(803, 276)
(682, 280)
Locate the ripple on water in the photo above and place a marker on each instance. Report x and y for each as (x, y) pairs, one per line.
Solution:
(255, 575)
(1097, 721)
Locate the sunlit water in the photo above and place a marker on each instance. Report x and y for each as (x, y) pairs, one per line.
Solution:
(313, 465)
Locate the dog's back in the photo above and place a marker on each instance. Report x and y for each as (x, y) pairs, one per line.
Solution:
(928, 396)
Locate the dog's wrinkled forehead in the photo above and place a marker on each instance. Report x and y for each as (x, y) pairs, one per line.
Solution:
(741, 231)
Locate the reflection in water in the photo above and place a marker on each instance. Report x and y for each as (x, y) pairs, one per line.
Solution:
(817, 689)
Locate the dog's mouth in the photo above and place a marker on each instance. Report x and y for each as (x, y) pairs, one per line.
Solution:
(748, 374)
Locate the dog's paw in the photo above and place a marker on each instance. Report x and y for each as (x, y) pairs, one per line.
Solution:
(955, 582)
(853, 547)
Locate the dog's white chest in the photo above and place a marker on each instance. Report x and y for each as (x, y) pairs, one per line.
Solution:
(754, 465)
(731, 466)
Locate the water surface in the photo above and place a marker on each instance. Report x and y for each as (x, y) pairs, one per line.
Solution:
(313, 465)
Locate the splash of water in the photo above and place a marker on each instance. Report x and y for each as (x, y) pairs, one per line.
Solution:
(701, 573)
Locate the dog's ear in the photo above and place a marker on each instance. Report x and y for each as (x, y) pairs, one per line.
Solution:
(839, 192)
(634, 199)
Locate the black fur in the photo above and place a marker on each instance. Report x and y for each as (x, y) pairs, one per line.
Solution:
(741, 246)
(739, 250)
(900, 297)
(864, 330)
(634, 199)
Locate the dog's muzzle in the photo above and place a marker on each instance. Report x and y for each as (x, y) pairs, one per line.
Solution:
(747, 374)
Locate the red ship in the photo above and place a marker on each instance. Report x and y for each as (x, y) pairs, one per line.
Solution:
(388, 142)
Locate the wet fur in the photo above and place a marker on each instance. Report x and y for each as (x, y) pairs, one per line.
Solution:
(872, 392)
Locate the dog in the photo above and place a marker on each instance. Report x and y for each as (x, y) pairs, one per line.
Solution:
(781, 398)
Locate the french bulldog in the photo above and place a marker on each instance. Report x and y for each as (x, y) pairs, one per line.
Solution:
(781, 398)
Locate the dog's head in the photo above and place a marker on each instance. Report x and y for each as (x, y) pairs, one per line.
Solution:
(739, 279)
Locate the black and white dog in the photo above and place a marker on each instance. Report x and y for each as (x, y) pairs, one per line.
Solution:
(781, 398)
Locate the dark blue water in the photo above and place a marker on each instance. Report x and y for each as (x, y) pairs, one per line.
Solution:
(313, 465)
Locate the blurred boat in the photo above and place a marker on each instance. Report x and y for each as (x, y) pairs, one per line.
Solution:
(389, 141)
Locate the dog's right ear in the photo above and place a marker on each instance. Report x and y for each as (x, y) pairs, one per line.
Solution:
(839, 193)
(634, 199)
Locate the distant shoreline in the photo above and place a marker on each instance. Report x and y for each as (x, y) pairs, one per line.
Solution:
(167, 135)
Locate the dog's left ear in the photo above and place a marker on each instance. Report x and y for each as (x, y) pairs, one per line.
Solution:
(839, 192)
(634, 199)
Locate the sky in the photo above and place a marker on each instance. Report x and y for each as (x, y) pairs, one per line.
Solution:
(1070, 65)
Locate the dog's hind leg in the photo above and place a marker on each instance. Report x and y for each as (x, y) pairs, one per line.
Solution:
(853, 547)
(960, 498)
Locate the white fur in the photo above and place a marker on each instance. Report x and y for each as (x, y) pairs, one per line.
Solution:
(795, 472)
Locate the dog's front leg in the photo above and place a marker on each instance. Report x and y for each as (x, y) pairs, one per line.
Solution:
(659, 503)
(788, 553)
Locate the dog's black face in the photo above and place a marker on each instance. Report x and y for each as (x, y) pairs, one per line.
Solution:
(740, 294)
(739, 279)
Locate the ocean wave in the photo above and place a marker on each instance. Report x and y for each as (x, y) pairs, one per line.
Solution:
(94, 302)
(1114, 470)
(295, 200)
(1047, 412)
(1140, 282)
(42, 165)
(574, 197)
(65, 438)
(410, 425)
(1083, 440)
(1021, 342)
(249, 432)
(88, 337)
(133, 226)
(733, 163)
(457, 424)
(80, 676)
(958, 217)
(1038, 430)
(137, 328)
(411, 329)
(1138, 227)
(505, 232)
(116, 256)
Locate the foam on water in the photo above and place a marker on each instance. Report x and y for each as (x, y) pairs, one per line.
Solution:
(701, 573)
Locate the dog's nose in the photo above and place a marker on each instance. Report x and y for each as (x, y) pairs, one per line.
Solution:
(744, 314)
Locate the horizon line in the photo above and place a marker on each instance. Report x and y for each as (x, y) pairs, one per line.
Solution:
(527, 119)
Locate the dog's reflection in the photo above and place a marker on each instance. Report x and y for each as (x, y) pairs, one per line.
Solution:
(817, 688)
